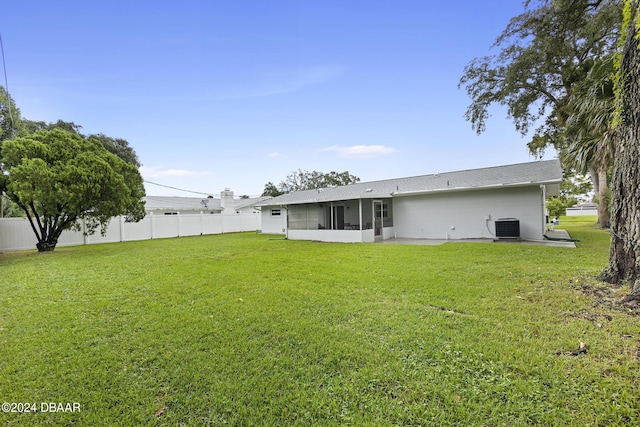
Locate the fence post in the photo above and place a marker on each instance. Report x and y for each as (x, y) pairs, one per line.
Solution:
(179, 228)
(151, 222)
(121, 228)
(85, 236)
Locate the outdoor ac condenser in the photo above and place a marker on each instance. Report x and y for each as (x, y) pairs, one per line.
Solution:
(508, 228)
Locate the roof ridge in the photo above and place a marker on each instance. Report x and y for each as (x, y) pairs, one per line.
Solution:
(439, 173)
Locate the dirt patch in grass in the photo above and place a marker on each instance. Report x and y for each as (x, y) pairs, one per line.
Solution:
(608, 296)
(592, 317)
(448, 310)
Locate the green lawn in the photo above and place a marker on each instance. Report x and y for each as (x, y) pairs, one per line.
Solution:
(241, 329)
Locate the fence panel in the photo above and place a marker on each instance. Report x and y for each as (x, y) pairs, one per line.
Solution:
(190, 225)
(212, 224)
(137, 230)
(165, 226)
(16, 233)
(112, 235)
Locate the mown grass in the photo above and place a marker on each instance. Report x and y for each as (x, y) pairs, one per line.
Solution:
(238, 329)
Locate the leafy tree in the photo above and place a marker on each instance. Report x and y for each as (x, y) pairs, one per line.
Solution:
(574, 185)
(118, 146)
(10, 126)
(304, 180)
(10, 209)
(10, 123)
(57, 178)
(34, 126)
(589, 131)
(271, 190)
(557, 206)
(544, 52)
(624, 256)
(549, 57)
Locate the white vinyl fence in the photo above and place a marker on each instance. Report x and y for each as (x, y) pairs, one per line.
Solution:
(16, 233)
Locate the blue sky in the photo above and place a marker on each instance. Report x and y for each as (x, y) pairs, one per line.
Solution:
(215, 94)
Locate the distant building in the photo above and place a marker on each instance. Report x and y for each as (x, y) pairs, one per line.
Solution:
(582, 209)
(226, 204)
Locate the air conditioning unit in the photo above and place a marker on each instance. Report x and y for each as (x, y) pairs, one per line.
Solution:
(507, 228)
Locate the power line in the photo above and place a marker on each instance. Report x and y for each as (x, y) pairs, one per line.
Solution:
(191, 191)
(175, 188)
(6, 88)
(6, 84)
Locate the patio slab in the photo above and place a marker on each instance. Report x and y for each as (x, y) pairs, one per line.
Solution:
(562, 235)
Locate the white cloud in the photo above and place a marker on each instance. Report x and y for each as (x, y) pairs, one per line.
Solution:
(361, 151)
(274, 154)
(158, 172)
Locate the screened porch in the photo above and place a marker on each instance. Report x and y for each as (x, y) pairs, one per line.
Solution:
(359, 220)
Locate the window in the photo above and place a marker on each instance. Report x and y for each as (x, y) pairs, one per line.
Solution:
(382, 211)
(276, 212)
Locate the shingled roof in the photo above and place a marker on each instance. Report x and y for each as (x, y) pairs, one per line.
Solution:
(522, 174)
(194, 203)
(181, 203)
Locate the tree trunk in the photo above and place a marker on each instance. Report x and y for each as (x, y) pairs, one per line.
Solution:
(46, 246)
(595, 179)
(603, 204)
(624, 256)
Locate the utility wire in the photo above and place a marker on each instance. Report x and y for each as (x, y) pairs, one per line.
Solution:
(175, 188)
(6, 85)
(6, 88)
(187, 191)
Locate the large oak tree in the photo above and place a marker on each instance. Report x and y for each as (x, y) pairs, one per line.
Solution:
(543, 56)
(624, 258)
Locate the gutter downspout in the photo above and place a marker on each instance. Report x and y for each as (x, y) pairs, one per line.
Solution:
(286, 220)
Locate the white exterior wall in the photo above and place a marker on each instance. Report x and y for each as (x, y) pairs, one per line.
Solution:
(462, 214)
(388, 233)
(337, 236)
(274, 224)
(16, 233)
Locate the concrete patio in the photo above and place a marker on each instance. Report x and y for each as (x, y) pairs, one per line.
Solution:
(562, 235)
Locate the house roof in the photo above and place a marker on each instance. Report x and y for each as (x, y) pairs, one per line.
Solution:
(195, 203)
(251, 201)
(522, 174)
(181, 203)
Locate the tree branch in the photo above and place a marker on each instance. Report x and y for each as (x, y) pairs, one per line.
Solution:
(29, 216)
(37, 217)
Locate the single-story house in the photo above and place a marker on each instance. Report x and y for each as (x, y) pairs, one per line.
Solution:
(494, 202)
(227, 204)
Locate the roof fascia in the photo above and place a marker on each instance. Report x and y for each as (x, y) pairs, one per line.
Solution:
(484, 187)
